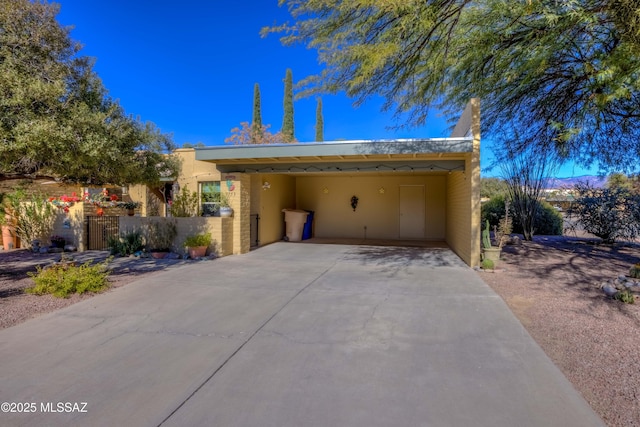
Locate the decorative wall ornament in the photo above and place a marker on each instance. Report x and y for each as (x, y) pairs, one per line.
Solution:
(266, 185)
(325, 190)
(354, 203)
(381, 190)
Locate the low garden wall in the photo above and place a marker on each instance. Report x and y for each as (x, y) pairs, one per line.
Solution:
(221, 230)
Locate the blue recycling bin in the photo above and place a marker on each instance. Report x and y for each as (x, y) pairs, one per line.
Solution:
(308, 227)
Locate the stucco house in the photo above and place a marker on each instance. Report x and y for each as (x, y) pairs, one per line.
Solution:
(411, 189)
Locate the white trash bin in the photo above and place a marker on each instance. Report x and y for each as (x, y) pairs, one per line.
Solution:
(294, 221)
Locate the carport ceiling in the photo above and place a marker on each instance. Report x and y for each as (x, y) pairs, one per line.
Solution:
(407, 155)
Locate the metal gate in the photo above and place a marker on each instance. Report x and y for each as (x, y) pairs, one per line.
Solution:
(99, 229)
(254, 230)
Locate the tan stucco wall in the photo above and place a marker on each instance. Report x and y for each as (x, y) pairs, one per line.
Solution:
(221, 230)
(269, 204)
(463, 193)
(194, 171)
(378, 204)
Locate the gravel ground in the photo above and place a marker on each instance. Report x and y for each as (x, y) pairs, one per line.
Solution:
(17, 306)
(551, 285)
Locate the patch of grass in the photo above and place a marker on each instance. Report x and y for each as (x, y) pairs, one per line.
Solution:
(62, 280)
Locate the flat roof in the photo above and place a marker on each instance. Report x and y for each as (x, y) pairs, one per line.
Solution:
(362, 148)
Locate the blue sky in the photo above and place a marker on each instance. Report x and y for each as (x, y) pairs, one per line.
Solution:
(190, 68)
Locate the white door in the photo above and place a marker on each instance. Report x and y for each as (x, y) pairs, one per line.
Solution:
(412, 211)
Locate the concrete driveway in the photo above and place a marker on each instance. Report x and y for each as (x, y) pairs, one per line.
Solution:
(289, 335)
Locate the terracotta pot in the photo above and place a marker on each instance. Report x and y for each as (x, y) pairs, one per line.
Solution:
(159, 255)
(197, 252)
(9, 237)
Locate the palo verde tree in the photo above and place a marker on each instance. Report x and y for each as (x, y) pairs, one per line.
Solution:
(55, 116)
(319, 121)
(287, 120)
(566, 71)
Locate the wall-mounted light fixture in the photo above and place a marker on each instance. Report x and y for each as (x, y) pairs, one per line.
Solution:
(381, 190)
(354, 203)
(325, 190)
(266, 185)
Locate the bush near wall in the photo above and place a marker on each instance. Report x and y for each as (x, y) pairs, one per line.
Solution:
(548, 221)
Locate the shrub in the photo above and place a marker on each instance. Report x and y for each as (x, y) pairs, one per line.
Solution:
(487, 264)
(492, 211)
(64, 279)
(608, 213)
(547, 222)
(198, 240)
(126, 243)
(160, 235)
(185, 204)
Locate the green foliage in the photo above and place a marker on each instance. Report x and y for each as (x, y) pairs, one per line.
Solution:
(610, 213)
(635, 271)
(566, 72)
(32, 214)
(319, 122)
(547, 220)
(256, 122)
(62, 280)
(159, 234)
(198, 240)
(487, 264)
(185, 203)
(486, 236)
(493, 210)
(287, 131)
(492, 187)
(127, 243)
(625, 296)
(55, 116)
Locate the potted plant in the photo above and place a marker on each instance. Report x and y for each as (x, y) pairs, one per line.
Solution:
(58, 241)
(225, 205)
(130, 207)
(159, 237)
(7, 222)
(197, 244)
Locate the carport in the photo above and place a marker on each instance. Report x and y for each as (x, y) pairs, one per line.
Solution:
(407, 189)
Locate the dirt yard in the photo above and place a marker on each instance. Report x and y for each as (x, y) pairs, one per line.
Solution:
(552, 285)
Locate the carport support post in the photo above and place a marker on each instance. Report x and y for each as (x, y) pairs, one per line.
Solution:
(472, 165)
(241, 205)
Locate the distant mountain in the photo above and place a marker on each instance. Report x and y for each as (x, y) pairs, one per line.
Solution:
(595, 181)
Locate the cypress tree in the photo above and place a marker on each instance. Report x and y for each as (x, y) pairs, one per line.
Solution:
(287, 120)
(319, 121)
(256, 122)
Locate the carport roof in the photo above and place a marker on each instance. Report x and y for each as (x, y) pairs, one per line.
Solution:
(398, 154)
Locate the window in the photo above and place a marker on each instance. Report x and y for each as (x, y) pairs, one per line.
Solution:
(210, 198)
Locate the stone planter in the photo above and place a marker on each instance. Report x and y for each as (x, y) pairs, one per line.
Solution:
(492, 253)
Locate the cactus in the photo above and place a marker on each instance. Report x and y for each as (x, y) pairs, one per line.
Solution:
(486, 237)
